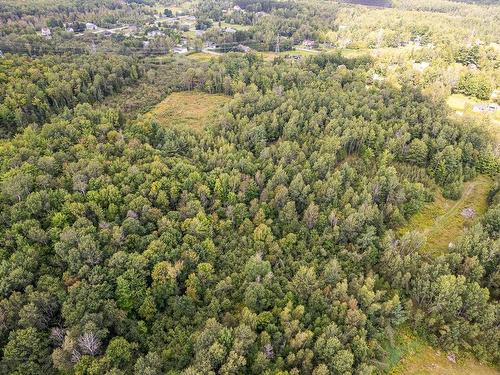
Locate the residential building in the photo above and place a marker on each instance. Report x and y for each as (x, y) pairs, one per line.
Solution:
(90, 26)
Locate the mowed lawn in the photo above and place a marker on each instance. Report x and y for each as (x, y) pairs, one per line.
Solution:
(188, 109)
(442, 222)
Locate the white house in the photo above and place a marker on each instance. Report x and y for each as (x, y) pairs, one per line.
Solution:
(230, 30)
(90, 26)
(308, 43)
(243, 48)
(155, 33)
(491, 107)
(179, 48)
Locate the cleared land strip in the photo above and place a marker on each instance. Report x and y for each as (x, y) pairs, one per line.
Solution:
(442, 221)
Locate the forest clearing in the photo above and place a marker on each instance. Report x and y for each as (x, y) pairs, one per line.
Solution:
(187, 109)
(442, 221)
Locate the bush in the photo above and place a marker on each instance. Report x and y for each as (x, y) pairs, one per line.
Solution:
(453, 190)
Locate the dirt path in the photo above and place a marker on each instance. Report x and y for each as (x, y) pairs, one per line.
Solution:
(442, 222)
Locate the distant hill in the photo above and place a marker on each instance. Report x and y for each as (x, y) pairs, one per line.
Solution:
(373, 3)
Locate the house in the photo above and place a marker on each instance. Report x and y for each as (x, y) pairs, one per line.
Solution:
(179, 48)
(243, 48)
(377, 77)
(155, 33)
(294, 57)
(472, 66)
(421, 66)
(211, 46)
(416, 40)
(309, 44)
(70, 30)
(46, 32)
(230, 30)
(490, 107)
(237, 8)
(90, 26)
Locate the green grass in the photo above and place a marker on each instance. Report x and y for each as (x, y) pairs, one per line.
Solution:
(464, 104)
(225, 25)
(410, 354)
(270, 56)
(459, 102)
(404, 345)
(191, 110)
(201, 56)
(442, 222)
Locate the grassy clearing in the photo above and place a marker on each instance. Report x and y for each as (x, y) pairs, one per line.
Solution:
(190, 110)
(462, 104)
(270, 56)
(202, 56)
(411, 355)
(442, 222)
(181, 7)
(459, 102)
(235, 26)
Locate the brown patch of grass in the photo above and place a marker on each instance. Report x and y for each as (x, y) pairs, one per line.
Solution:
(188, 109)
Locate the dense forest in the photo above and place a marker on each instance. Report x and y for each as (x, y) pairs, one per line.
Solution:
(33, 89)
(262, 245)
(276, 237)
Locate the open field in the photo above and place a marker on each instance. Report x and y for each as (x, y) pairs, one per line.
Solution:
(189, 109)
(202, 56)
(442, 222)
(225, 25)
(181, 7)
(459, 102)
(270, 56)
(463, 105)
(411, 355)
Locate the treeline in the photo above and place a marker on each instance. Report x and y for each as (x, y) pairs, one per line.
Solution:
(258, 246)
(455, 297)
(32, 89)
(12, 9)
